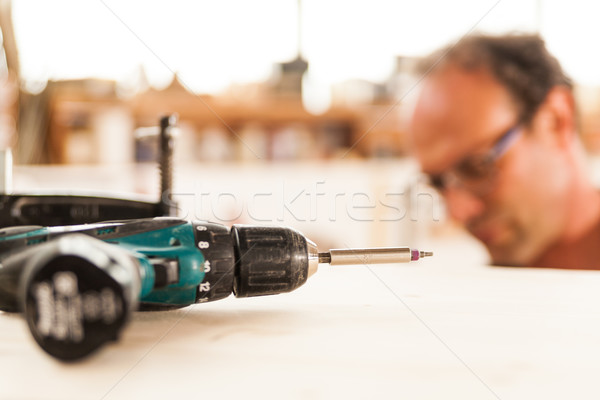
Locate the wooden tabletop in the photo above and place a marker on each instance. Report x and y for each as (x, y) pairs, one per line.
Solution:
(444, 327)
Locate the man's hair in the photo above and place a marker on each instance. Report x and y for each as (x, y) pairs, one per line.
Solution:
(521, 63)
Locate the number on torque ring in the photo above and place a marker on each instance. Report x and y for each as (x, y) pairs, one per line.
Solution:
(203, 245)
(206, 266)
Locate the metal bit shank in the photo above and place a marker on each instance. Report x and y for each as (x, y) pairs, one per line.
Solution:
(382, 255)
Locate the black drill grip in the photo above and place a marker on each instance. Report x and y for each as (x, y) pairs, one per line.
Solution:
(269, 260)
(76, 294)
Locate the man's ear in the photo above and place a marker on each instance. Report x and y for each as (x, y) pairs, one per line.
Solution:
(558, 117)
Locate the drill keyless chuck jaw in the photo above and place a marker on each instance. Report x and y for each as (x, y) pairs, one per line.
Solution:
(313, 257)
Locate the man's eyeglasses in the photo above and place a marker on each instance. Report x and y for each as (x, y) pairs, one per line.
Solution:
(476, 172)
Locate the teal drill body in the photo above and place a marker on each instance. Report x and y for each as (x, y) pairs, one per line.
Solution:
(172, 266)
(175, 244)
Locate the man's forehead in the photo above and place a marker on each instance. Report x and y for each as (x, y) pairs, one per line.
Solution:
(456, 111)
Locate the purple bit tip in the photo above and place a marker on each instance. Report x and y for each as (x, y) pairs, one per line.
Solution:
(414, 255)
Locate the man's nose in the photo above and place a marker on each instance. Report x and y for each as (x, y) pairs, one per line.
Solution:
(462, 205)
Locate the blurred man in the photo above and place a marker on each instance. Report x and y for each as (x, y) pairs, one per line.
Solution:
(495, 129)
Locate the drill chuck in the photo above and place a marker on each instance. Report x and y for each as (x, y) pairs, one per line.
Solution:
(271, 260)
(251, 260)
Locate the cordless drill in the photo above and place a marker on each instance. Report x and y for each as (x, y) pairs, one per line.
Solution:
(77, 285)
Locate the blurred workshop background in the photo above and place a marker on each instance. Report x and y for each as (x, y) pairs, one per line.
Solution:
(290, 112)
